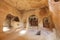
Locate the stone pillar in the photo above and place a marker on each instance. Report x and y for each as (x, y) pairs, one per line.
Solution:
(55, 9)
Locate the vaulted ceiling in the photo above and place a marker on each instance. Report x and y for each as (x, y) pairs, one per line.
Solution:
(27, 4)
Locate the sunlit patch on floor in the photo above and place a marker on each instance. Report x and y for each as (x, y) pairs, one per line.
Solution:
(5, 29)
(22, 32)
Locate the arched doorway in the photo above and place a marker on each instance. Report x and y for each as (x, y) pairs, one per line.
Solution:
(33, 25)
(33, 20)
(48, 23)
(7, 23)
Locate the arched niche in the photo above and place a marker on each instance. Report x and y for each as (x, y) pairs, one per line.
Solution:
(7, 23)
(11, 23)
(33, 20)
(48, 23)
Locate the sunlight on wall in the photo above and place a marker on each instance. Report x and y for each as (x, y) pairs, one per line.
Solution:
(5, 29)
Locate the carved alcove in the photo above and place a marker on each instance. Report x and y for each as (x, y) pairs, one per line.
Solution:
(48, 23)
(33, 20)
(7, 23)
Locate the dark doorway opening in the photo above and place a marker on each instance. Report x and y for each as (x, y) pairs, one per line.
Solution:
(33, 20)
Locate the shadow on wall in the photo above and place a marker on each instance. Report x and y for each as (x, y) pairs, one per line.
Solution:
(56, 0)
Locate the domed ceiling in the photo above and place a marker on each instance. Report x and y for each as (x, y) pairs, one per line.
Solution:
(27, 4)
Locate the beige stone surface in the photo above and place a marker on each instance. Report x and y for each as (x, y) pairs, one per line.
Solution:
(24, 9)
(27, 4)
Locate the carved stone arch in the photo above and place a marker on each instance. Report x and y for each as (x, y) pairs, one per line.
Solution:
(7, 23)
(8, 19)
(33, 20)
